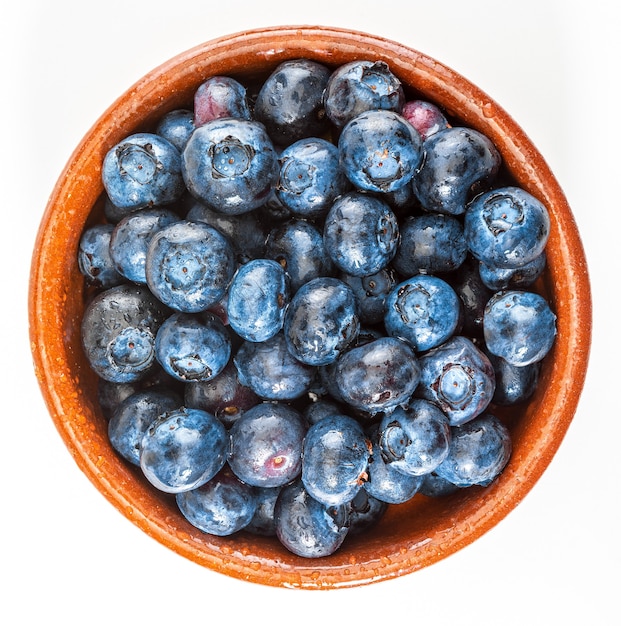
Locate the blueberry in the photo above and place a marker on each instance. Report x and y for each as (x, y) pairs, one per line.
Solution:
(290, 101)
(193, 346)
(433, 486)
(219, 97)
(519, 326)
(299, 247)
(321, 321)
(361, 234)
(118, 332)
(266, 445)
(230, 164)
(189, 265)
(415, 439)
(110, 395)
(318, 409)
(371, 292)
(426, 117)
(262, 522)
(377, 376)
(360, 86)
(183, 449)
(506, 227)
(478, 453)
(430, 243)
(498, 278)
(380, 151)
(94, 259)
(306, 527)
(176, 126)
(245, 232)
(514, 384)
(130, 240)
(222, 506)
(458, 377)
(311, 177)
(142, 170)
(257, 299)
(134, 415)
(474, 295)
(365, 512)
(223, 395)
(271, 371)
(424, 310)
(384, 481)
(335, 458)
(455, 159)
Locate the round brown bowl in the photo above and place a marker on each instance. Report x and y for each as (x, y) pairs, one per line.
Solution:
(410, 536)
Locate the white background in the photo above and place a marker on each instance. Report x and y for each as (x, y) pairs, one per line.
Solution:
(68, 556)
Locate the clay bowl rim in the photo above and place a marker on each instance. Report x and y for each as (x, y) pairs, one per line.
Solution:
(411, 536)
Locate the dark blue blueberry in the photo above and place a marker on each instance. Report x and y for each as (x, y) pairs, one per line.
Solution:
(361, 86)
(110, 395)
(506, 227)
(384, 481)
(223, 395)
(221, 507)
(426, 117)
(262, 522)
(266, 445)
(219, 97)
(311, 177)
(497, 278)
(514, 384)
(371, 292)
(290, 101)
(424, 310)
(380, 151)
(320, 408)
(519, 326)
(257, 299)
(230, 164)
(415, 439)
(365, 512)
(455, 159)
(361, 234)
(142, 170)
(430, 243)
(176, 126)
(245, 232)
(479, 452)
(458, 377)
(474, 295)
(189, 265)
(433, 486)
(335, 458)
(306, 527)
(94, 259)
(193, 346)
(321, 321)
(183, 449)
(299, 247)
(271, 371)
(118, 332)
(130, 240)
(134, 415)
(377, 376)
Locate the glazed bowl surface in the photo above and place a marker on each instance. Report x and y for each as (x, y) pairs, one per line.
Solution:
(411, 536)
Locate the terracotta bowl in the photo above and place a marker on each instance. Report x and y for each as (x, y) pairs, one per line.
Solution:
(410, 536)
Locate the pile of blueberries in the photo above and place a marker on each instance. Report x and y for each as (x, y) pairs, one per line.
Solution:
(306, 299)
